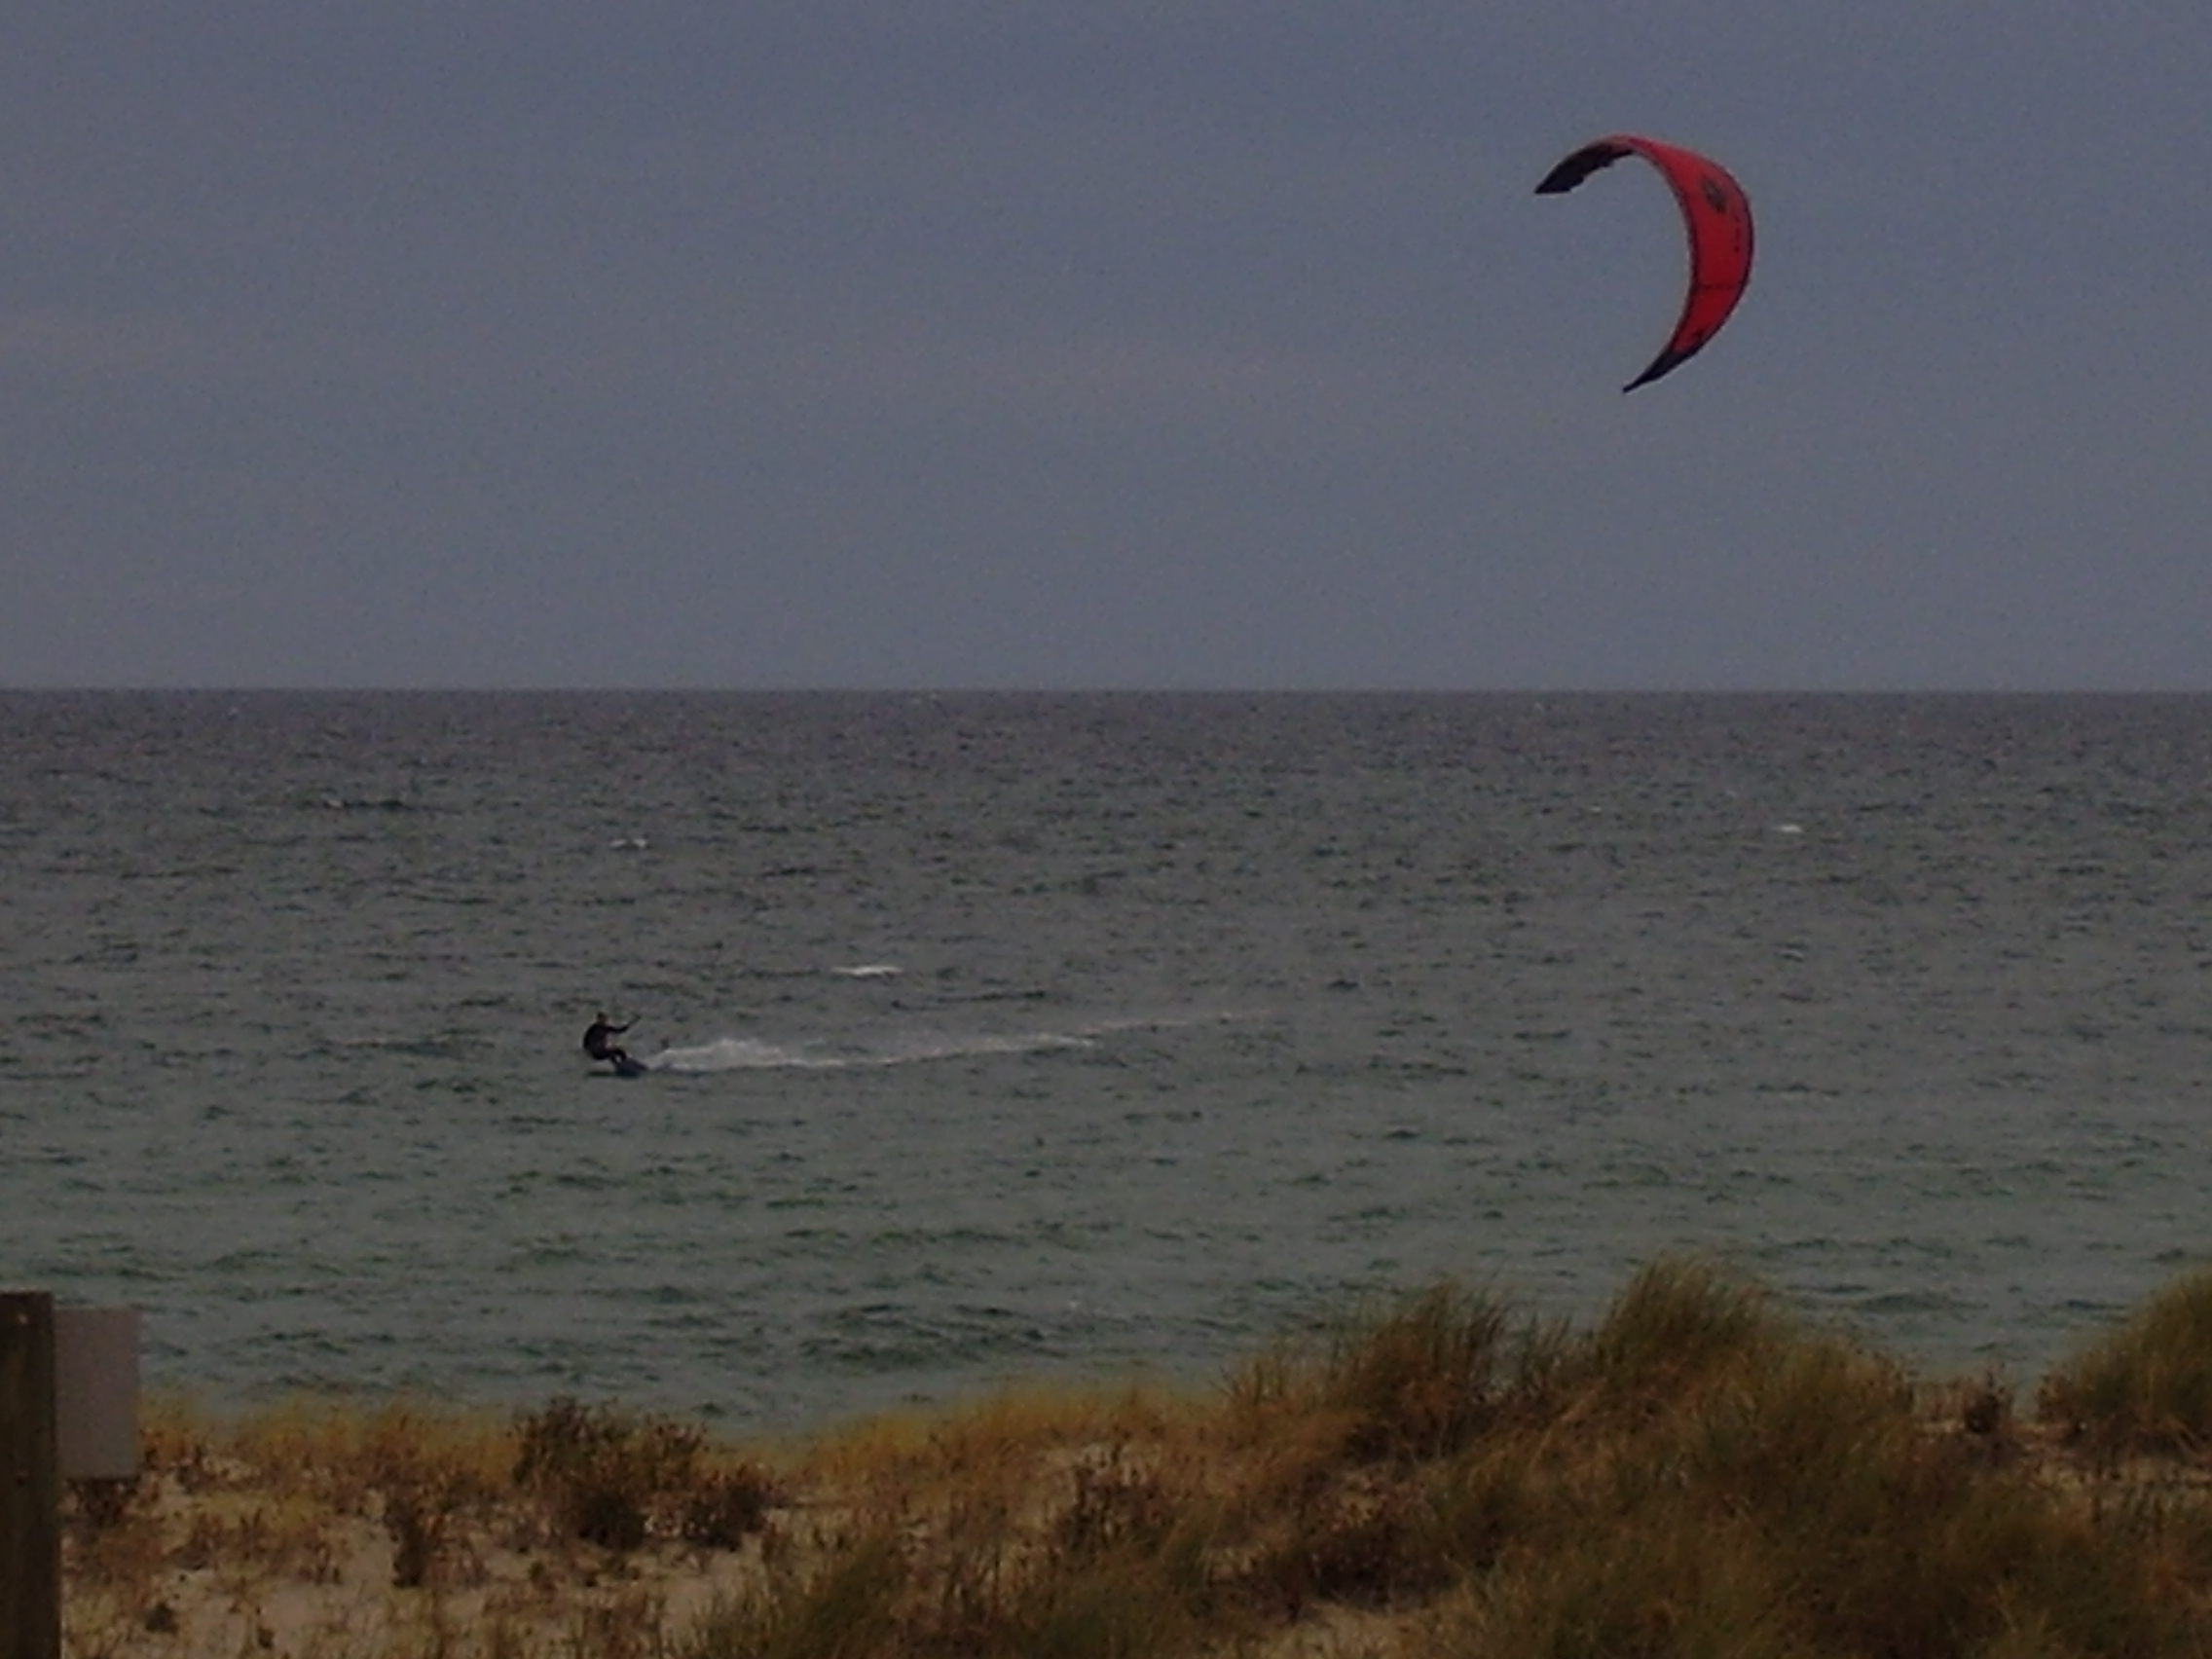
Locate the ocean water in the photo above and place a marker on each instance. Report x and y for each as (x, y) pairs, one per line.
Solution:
(1022, 1035)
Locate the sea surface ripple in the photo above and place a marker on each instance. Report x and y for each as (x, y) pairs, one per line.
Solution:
(1000, 1036)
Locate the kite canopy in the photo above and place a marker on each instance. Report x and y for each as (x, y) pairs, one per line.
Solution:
(1718, 218)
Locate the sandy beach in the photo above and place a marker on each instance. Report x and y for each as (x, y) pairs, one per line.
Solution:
(314, 1530)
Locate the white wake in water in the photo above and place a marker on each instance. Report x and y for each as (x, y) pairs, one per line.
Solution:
(902, 1049)
(752, 1053)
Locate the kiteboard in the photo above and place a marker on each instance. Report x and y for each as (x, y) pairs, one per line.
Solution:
(628, 1067)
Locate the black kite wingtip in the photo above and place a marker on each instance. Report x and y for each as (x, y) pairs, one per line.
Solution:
(1665, 363)
(1580, 165)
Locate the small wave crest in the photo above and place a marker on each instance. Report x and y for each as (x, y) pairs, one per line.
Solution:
(752, 1053)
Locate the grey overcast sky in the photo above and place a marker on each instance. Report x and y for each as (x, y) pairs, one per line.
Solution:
(986, 344)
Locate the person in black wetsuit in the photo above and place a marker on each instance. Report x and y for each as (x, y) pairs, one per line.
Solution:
(600, 1044)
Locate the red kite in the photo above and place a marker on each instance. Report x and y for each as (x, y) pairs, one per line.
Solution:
(1719, 218)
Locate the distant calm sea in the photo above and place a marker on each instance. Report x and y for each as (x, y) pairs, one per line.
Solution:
(1005, 1036)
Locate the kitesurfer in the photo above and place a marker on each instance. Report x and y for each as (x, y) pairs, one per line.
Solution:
(600, 1044)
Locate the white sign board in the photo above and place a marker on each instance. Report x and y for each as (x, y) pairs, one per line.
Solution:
(95, 1393)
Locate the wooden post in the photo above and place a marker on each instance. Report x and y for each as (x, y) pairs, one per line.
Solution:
(30, 1480)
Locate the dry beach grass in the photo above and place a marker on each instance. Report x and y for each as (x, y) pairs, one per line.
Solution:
(1699, 1473)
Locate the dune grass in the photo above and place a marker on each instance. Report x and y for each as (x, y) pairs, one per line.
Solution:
(2146, 1386)
(1698, 1473)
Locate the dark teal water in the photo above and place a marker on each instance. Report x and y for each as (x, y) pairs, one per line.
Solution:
(1004, 1036)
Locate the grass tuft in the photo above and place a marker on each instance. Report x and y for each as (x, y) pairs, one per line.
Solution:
(611, 1477)
(1683, 1325)
(846, 1610)
(2146, 1386)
